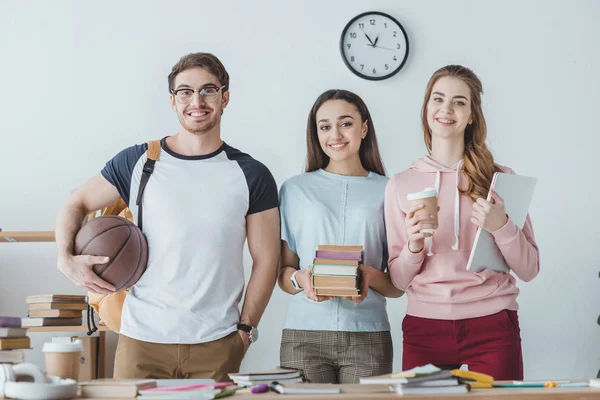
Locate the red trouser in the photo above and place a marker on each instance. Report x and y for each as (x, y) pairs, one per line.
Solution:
(490, 344)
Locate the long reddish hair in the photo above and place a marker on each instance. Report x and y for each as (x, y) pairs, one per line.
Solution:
(478, 162)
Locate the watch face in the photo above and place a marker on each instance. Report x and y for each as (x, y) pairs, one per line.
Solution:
(374, 46)
(254, 335)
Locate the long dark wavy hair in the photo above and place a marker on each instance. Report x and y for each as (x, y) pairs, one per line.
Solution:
(368, 152)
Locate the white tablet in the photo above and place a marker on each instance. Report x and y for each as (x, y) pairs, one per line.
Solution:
(517, 192)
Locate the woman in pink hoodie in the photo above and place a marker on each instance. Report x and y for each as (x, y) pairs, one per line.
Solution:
(454, 316)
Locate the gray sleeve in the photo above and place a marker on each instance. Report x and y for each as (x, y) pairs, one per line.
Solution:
(119, 169)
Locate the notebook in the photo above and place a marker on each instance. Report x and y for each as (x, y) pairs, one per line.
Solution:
(517, 192)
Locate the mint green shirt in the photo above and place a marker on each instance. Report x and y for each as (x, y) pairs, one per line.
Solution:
(324, 208)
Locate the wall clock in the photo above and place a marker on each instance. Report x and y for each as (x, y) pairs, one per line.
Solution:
(374, 45)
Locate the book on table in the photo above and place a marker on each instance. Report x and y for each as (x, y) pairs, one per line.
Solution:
(55, 313)
(36, 322)
(55, 298)
(15, 343)
(13, 356)
(410, 390)
(305, 388)
(10, 322)
(268, 376)
(13, 332)
(54, 305)
(115, 387)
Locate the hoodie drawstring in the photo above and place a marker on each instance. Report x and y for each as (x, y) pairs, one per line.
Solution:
(457, 206)
(456, 209)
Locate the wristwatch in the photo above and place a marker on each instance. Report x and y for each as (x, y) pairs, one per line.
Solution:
(294, 281)
(250, 330)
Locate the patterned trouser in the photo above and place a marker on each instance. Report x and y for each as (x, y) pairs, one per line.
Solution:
(337, 357)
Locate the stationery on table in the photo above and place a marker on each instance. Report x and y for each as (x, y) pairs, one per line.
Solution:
(540, 384)
(195, 391)
(517, 192)
(429, 379)
(304, 388)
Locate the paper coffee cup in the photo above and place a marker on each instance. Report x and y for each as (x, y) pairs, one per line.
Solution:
(62, 359)
(428, 198)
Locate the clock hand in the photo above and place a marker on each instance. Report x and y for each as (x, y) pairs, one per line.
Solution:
(385, 48)
(376, 39)
(370, 41)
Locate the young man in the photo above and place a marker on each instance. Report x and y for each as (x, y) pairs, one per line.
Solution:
(181, 319)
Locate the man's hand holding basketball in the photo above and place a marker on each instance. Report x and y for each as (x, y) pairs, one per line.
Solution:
(79, 269)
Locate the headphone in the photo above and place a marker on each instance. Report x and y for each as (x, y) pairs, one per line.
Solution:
(27, 381)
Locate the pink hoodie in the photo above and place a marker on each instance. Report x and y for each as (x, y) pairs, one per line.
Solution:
(436, 280)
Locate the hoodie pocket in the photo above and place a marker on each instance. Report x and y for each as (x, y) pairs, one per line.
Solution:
(465, 287)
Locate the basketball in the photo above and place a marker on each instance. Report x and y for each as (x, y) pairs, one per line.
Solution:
(120, 240)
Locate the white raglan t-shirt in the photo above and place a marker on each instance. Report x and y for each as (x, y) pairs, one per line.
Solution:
(194, 218)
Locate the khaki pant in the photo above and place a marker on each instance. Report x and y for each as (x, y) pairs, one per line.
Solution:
(135, 359)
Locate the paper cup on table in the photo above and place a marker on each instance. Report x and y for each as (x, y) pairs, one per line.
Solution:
(62, 359)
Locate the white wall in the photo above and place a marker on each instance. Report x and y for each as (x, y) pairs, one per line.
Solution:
(79, 81)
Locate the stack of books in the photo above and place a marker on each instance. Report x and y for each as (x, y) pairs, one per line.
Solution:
(280, 375)
(429, 379)
(13, 339)
(335, 270)
(54, 310)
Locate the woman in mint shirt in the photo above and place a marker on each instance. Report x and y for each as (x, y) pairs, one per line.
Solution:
(338, 201)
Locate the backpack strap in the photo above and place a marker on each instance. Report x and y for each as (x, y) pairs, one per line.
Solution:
(153, 155)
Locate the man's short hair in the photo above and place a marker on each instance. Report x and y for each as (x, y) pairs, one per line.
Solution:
(203, 60)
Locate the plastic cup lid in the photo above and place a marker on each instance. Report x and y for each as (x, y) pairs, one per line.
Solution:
(425, 193)
(62, 347)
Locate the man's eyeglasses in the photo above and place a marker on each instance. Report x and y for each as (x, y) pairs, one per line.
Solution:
(185, 96)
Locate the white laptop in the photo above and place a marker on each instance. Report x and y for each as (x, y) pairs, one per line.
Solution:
(517, 191)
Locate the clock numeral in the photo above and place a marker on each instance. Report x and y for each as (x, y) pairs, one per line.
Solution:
(353, 35)
(361, 26)
(385, 24)
(386, 66)
(395, 33)
(372, 21)
(395, 58)
(362, 66)
(352, 58)
(398, 46)
(374, 71)
(348, 45)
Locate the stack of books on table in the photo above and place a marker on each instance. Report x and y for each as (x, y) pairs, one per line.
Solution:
(279, 375)
(335, 270)
(429, 379)
(54, 310)
(13, 339)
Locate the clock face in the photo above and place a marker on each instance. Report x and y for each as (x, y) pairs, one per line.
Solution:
(374, 46)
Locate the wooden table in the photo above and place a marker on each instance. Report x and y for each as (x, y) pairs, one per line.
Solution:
(101, 340)
(475, 394)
